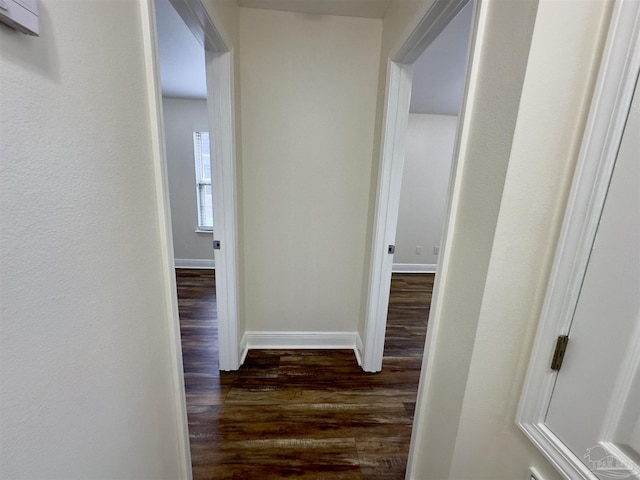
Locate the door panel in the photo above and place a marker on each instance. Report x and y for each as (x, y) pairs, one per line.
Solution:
(594, 401)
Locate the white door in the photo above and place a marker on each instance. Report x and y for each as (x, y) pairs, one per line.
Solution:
(595, 406)
(220, 103)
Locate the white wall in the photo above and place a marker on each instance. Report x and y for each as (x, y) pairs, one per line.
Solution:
(86, 385)
(309, 87)
(473, 375)
(425, 183)
(182, 117)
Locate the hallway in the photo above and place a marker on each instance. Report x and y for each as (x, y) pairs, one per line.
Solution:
(301, 414)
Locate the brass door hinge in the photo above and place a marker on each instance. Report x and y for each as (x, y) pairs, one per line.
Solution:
(558, 355)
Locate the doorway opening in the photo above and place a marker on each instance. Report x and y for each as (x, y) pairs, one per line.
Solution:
(428, 74)
(196, 178)
(436, 99)
(206, 201)
(181, 62)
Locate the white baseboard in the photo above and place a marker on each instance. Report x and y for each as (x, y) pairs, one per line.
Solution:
(195, 263)
(302, 341)
(414, 267)
(244, 349)
(358, 350)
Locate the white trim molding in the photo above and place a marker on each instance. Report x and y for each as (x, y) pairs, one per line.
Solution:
(287, 340)
(196, 263)
(358, 349)
(612, 98)
(156, 122)
(430, 26)
(207, 31)
(414, 268)
(300, 340)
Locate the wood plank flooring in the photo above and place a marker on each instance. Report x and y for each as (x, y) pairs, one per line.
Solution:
(304, 414)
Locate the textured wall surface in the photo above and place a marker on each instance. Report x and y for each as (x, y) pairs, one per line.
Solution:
(308, 107)
(182, 117)
(86, 382)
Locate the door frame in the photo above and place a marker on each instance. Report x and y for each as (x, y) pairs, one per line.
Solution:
(605, 126)
(394, 131)
(219, 61)
(158, 148)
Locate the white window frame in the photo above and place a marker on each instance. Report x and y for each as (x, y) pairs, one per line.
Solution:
(201, 181)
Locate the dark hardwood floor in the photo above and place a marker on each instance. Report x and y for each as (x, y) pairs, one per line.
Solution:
(303, 414)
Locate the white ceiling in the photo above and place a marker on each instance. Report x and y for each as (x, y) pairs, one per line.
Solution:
(439, 73)
(181, 56)
(438, 76)
(348, 8)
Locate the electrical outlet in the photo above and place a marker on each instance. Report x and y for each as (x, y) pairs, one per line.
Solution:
(436, 250)
(419, 250)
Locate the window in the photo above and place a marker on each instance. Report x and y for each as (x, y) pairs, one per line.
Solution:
(202, 153)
